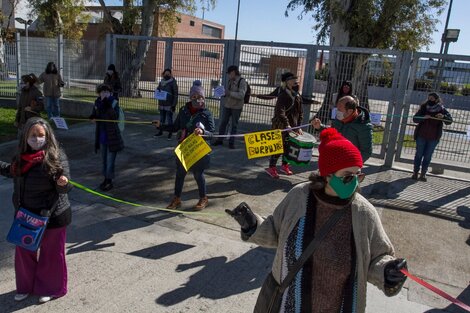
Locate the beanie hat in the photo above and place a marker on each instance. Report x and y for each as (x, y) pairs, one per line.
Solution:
(112, 67)
(336, 153)
(197, 89)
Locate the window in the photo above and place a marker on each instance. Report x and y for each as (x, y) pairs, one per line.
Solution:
(191, 23)
(211, 31)
(210, 54)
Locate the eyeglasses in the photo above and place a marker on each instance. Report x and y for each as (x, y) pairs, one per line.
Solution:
(348, 178)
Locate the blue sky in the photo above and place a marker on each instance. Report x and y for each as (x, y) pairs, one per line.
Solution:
(264, 20)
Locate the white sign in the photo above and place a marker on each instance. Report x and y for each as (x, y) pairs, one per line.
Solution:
(376, 118)
(161, 95)
(468, 132)
(60, 123)
(333, 113)
(219, 91)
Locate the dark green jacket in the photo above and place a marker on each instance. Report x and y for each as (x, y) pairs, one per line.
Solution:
(358, 131)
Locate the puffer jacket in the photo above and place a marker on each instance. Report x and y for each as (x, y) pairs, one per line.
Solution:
(107, 109)
(36, 190)
(358, 131)
(430, 129)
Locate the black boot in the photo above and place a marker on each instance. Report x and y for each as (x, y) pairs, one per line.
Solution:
(105, 181)
(108, 185)
(422, 177)
(415, 176)
(160, 132)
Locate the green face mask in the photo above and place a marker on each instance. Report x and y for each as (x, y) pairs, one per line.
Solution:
(343, 190)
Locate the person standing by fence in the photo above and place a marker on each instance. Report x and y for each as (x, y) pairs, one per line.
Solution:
(233, 104)
(30, 102)
(107, 135)
(40, 172)
(111, 78)
(167, 106)
(52, 82)
(430, 118)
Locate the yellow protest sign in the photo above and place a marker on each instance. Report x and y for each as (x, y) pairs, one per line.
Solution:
(264, 143)
(191, 150)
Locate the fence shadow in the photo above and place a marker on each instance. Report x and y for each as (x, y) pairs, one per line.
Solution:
(218, 279)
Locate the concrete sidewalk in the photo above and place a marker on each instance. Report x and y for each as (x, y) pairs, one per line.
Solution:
(136, 259)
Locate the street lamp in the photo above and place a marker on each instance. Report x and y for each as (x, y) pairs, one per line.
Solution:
(26, 24)
(236, 32)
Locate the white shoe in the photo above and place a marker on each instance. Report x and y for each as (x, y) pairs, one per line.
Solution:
(44, 299)
(21, 296)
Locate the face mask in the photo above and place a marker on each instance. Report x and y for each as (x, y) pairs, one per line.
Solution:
(24, 86)
(431, 102)
(339, 115)
(167, 77)
(36, 143)
(197, 103)
(295, 88)
(104, 94)
(344, 191)
(110, 72)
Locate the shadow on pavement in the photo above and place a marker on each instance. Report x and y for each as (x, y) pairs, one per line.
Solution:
(464, 297)
(12, 305)
(218, 279)
(161, 251)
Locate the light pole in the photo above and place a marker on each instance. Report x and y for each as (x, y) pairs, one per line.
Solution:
(236, 33)
(441, 61)
(26, 24)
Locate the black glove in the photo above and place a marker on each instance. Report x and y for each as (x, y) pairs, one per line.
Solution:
(244, 216)
(392, 273)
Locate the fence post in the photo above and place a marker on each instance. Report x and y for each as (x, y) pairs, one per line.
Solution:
(309, 80)
(18, 61)
(109, 47)
(168, 53)
(60, 54)
(398, 101)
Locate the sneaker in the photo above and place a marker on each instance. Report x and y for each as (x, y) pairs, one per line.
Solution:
(21, 296)
(422, 177)
(272, 171)
(218, 143)
(202, 204)
(175, 203)
(44, 299)
(286, 169)
(414, 176)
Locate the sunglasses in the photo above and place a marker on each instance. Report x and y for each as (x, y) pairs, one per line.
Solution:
(348, 178)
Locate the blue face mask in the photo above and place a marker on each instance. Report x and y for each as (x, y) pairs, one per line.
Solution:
(343, 190)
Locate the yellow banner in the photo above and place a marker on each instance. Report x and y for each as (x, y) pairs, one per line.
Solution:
(264, 143)
(191, 150)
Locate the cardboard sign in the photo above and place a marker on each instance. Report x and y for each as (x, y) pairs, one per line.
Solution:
(161, 95)
(219, 91)
(376, 118)
(262, 144)
(191, 150)
(60, 123)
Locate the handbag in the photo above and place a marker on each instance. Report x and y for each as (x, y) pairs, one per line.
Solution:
(27, 230)
(270, 296)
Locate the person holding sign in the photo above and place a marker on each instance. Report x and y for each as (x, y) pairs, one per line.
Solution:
(353, 122)
(107, 135)
(168, 99)
(430, 119)
(287, 113)
(40, 173)
(195, 118)
(329, 239)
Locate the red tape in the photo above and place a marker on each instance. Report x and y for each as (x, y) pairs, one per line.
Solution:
(437, 290)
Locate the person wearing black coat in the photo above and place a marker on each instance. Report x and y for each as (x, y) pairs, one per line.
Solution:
(107, 135)
(111, 78)
(40, 173)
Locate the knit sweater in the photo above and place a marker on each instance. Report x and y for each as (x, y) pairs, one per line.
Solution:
(373, 248)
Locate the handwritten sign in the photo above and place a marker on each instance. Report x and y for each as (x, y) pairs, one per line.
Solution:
(264, 143)
(191, 150)
(60, 123)
(161, 95)
(219, 91)
(376, 118)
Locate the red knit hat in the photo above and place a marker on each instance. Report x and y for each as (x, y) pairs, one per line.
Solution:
(336, 152)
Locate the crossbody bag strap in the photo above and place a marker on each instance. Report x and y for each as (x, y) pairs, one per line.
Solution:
(311, 247)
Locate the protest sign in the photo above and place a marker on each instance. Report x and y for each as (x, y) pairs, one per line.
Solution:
(60, 123)
(191, 150)
(264, 143)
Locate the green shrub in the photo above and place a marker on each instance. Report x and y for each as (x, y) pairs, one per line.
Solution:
(448, 88)
(423, 85)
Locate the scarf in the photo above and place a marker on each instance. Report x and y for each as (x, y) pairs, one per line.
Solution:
(165, 82)
(28, 160)
(433, 108)
(351, 117)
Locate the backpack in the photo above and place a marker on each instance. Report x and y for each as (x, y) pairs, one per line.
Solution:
(121, 118)
(246, 99)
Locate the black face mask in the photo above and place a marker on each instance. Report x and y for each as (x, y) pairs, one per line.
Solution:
(295, 88)
(432, 102)
(167, 77)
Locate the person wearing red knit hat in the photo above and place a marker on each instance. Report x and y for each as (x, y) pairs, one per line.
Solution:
(354, 251)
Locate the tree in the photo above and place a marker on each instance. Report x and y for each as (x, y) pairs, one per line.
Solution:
(157, 17)
(383, 24)
(66, 17)
(6, 34)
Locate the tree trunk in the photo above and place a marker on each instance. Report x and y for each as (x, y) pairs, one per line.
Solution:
(132, 72)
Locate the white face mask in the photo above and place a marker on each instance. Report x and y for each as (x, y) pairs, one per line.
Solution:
(339, 115)
(104, 94)
(110, 72)
(36, 143)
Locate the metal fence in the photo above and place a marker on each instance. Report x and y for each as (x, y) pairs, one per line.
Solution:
(391, 84)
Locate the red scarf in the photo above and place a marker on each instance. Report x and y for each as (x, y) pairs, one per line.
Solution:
(351, 117)
(28, 160)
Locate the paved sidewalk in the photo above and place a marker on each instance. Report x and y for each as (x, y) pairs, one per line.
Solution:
(127, 259)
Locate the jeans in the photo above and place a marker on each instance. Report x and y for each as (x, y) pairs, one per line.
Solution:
(166, 116)
(109, 159)
(424, 150)
(198, 173)
(52, 107)
(226, 114)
